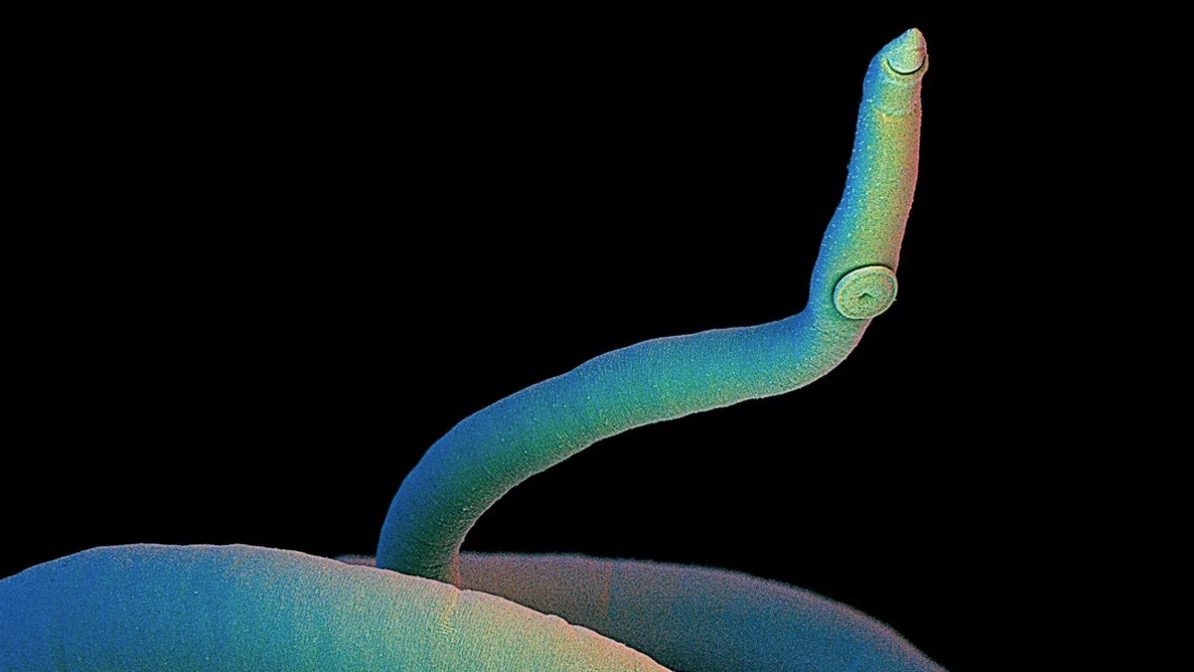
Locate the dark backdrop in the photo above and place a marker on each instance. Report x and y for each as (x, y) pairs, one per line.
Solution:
(306, 251)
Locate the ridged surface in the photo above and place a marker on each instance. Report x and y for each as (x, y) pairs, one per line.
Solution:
(146, 608)
(150, 607)
(695, 618)
(495, 449)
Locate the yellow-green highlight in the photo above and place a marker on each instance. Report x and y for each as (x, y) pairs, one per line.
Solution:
(491, 451)
(148, 607)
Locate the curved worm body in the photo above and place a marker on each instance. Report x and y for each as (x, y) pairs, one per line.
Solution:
(484, 456)
(189, 608)
(183, 608)
(145, 607)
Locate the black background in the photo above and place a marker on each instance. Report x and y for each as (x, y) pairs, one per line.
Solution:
(300, 251)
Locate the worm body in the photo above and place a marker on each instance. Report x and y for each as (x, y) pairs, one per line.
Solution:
(484, 456)
(150, 608)
(426, 607)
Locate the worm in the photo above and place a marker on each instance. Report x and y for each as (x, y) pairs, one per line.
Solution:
(148, 607)
(485, 455)
(427, 606)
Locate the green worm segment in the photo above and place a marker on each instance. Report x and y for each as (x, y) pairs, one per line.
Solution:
(149, 607)
(491, 451)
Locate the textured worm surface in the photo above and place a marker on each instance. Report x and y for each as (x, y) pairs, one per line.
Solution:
(694, 618)
(490, 452)
(183, 608)
(151, 607)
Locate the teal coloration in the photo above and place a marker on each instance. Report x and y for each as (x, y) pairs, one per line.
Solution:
(147, 607)
(482, 458)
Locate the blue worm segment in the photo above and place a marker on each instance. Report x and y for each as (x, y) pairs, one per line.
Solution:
(493, 450)
(191, 608)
